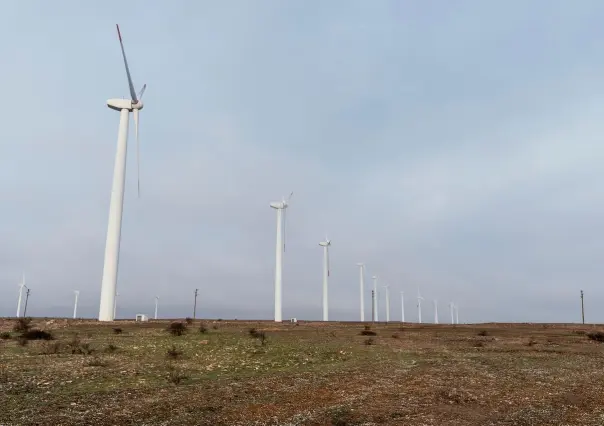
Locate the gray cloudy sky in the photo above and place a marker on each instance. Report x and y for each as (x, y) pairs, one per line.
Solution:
(455, 146)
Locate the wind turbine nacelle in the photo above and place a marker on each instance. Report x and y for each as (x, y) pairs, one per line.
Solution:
(325, 243)
(278, 205)
(120, 104)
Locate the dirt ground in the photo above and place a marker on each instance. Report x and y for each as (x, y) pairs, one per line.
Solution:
(304, 374)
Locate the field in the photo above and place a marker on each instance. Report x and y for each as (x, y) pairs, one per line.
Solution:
(306, 374)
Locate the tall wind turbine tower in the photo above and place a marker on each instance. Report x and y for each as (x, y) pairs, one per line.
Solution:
(21, 286)
(116, 206)
(387, 287)
(419, 306)
(75, 304)
(325, 244)
(281, 207)
(156, 305)
(402, 306)
(362, 289)
(452, 307)
(375, 301)
(115, 305)
(435, 311)
(456, 314)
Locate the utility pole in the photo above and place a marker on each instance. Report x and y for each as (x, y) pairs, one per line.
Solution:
(195, 304)
(582, 307)
(26, 299)
(373, 305)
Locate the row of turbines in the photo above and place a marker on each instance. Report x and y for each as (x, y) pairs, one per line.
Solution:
(281, 208)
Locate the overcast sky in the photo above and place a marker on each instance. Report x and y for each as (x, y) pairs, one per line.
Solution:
(452, 146)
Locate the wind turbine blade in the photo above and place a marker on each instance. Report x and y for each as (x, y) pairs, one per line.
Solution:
(138, 165)
(130, 84)
(140, 94)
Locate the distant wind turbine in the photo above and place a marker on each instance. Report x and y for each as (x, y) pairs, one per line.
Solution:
(419, 306)
(281, 207)
(21, 286)
(325, 244)
(375, 299)
(362, 289)
(387, 287)
(452, 307)
(156, 304)
(402, 306)
(435, 311)
(75, 304)
(456, 314)
(116, 207)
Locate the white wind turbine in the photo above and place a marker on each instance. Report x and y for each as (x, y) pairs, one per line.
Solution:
(435, 311)
(281, 207)
(402, 306)
(362, 289)
(75, 304)
(21, 286)
(375, 299)
(456, 314)
(452, 307)
(114, 227)
(387, 287)
(115, 305)
(419, 306)
(325, 244)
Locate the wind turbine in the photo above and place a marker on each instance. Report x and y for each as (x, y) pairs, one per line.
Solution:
(280, 206)
(362, 284)
(75, 304)
(156, 303)
(402, 306)
(452, 307)
(419, 306)
(21, 286)
(116, 206)
(456, 314)
(435, 311)
(375, 301)
(325, 244)
(387, 287)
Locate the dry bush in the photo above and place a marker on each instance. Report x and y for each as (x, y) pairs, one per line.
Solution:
(117, 330)
(175, 375)
(202, 328)
(369, 342)
(483, 333)
(173, 353)
(110, 348)
(177, 328)
(5, 335)
(95, 361)
(597, 336)
(76, 347)
(35, 334)
(395, 336)
(189, 320)
(367, 331)
(22, 325)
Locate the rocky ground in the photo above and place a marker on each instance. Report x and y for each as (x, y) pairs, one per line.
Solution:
(225, 373)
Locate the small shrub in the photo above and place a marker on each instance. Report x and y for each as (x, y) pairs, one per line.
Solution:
(22, 325)
(51, 348)
(341, 416)
(202, 328)
(479, 344)
(177, 328)
(483, 333)
(22, 341)
(189, 320)
(597, 336)
(215, 327)
(368, 332)
(176, 376)
(110, 348)
(173, 353)
(531, 342)
(253, 332)
(76, 347)
(35, 334)
(117, 330)
(5, 335)
(369, 342)
(580, 332)
(395, 336)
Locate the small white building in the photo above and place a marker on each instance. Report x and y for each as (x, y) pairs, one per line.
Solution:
(142, 317)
